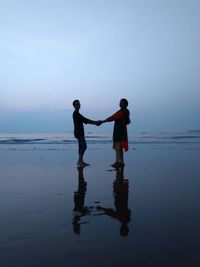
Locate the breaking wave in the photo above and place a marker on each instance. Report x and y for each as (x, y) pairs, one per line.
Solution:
(63, 139)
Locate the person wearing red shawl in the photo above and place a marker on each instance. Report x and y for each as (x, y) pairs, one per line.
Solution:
(120, 134)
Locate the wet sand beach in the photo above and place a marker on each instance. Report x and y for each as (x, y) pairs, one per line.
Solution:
(55, 214)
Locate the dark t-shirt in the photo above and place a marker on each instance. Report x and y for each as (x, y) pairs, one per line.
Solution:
(78, 124)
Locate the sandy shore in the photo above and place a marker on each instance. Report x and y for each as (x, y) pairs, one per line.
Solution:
(53, 214)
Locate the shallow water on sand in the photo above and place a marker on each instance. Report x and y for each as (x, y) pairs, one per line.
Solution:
(146, 214)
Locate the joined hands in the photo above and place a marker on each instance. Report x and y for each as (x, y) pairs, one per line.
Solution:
(98, 123)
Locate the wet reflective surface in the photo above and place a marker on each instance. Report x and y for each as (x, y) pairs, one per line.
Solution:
(145, 214)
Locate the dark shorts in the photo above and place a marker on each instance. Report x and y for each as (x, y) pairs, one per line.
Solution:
(82, 146)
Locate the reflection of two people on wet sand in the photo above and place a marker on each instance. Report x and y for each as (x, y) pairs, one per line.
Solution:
(121, 212)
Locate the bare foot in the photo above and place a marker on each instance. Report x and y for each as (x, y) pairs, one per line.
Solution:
(86, 164)
(117, 164)
(80, 164)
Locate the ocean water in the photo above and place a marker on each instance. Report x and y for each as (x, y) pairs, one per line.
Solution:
(60, 140)
(55, 214)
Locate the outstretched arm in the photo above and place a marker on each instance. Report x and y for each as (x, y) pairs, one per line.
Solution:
(97, 123)
(114, 117)
(87, 121)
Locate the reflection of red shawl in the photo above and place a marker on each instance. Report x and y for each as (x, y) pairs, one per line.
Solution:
(117, 116)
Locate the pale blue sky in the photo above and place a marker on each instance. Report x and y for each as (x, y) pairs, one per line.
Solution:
(54, 51)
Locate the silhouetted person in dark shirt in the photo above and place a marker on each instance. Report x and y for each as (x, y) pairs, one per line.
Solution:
(120, 193)
(79, 133)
